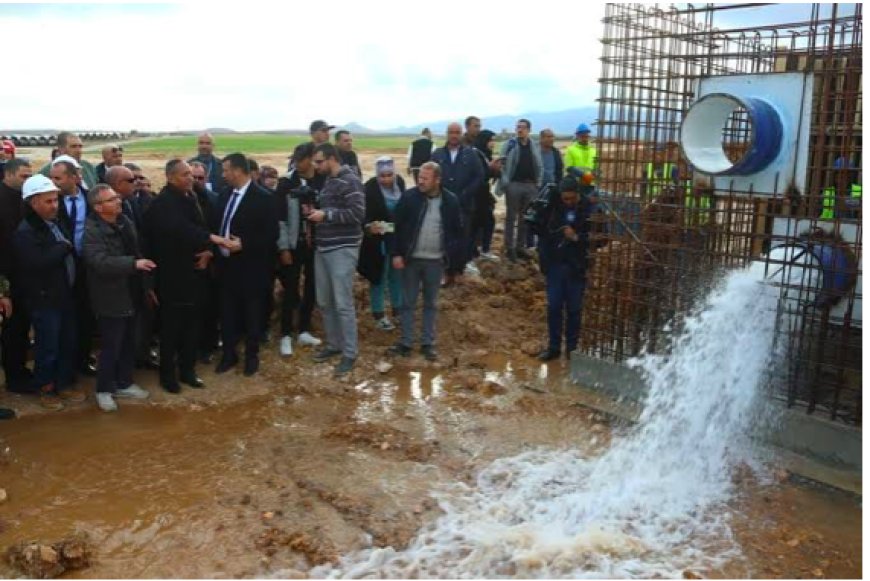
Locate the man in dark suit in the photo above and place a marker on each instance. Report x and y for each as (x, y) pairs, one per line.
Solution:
(248, 220)
(178, 240)
(73, 209)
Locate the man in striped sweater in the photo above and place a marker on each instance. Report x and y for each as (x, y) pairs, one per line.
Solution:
(337, 239)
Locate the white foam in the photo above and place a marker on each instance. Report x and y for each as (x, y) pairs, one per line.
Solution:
(651, 505)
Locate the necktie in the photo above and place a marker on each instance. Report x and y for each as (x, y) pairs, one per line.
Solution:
(69, 263)
(225, 225)
(74, 220)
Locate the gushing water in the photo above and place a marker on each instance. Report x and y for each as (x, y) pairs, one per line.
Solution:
(651, 505)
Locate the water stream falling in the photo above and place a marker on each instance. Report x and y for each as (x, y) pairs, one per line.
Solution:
(653, 504)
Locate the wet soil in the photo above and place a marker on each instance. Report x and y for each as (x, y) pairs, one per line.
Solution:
(292, 468)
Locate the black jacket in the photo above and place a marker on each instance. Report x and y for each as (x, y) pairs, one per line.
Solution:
(409, 219)
(101, 172)
(371, 253)
(463, 177)
(110, 252)
(42, 279)
(256, 222)
(555, 249)
(11, 213)
(175, 231)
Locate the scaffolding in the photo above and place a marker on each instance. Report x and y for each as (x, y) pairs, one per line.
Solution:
(668, 231)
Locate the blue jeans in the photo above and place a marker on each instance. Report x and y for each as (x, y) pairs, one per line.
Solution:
(417, 273)
(54, 333)
(564, 305)
(393, 279)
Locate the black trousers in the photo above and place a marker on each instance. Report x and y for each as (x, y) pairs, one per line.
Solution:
(178, 339)
(242, 306)
(14, 345)
(117, 352)
(86, 323)
(209, 312)
(303, 265)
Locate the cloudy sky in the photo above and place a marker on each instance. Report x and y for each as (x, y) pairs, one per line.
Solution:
(251, 65)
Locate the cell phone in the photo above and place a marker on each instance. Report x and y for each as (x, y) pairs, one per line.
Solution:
(389, 228)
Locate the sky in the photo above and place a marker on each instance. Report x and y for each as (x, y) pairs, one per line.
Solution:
(251, 65)
(258, 65)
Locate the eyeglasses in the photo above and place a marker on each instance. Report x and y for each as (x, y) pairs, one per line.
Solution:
(386, 175)
(199, 178)
(114, 198)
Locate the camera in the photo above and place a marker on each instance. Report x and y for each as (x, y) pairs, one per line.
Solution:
(307, 196)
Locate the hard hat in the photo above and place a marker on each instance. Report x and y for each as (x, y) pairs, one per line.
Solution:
(583, 128)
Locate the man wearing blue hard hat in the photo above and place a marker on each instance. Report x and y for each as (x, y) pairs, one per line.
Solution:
(581, 154)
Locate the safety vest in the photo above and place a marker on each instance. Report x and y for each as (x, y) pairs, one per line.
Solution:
(829, 200)
(655, 183)
(703, 203)
(584, 157)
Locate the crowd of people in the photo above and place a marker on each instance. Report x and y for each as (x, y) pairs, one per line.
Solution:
(171, 279)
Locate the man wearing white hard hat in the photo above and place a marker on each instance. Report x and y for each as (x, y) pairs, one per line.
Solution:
(47, 275)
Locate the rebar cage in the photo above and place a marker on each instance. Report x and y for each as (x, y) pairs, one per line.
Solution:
(666, 234)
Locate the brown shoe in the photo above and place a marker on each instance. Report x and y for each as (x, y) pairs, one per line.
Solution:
(50, 400)
(73, 395)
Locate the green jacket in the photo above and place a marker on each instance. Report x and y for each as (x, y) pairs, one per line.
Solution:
(89, 173)
(584, 157)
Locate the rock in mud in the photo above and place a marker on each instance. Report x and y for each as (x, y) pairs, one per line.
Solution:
(384, 367)
(44, 561)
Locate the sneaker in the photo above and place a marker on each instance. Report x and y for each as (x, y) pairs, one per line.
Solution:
(344, 366)
(73, 395)
(308, 339)
(286, 346)
(428, 351)
(471, 270)
(132, 391)
(325, 354)
(489, 256)
(50, 400)
(106, 402)
(385, 324)
(399, 350)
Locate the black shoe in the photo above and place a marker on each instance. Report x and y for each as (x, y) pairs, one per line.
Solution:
(7, 414)
(226, 364)
(171, 386)
(326, 354)
(548, 354)
(428, 351)
(344, 366)
(192, 379)
(252, 365)
(399, 350)
(88, 369)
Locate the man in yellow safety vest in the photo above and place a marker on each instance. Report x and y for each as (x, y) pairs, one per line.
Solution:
(581, 154)
(846, 205)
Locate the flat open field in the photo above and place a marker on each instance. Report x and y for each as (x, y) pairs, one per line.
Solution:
(254, 143)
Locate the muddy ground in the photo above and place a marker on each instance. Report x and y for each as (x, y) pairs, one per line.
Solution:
(291, 468)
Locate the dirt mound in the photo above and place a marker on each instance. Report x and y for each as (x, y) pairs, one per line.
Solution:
(316, 549)
(382, 437)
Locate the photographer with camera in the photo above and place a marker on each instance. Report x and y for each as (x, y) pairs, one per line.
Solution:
(563, 225)
(338, 235)
(296, 196)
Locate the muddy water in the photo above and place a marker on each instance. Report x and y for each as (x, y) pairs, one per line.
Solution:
(293, 479)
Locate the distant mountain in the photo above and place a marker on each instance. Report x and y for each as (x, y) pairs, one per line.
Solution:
(561, 122)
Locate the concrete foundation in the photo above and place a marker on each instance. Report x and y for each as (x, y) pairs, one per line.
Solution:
(815, 448)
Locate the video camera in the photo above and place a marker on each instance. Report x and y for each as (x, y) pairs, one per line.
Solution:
(307, 196)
